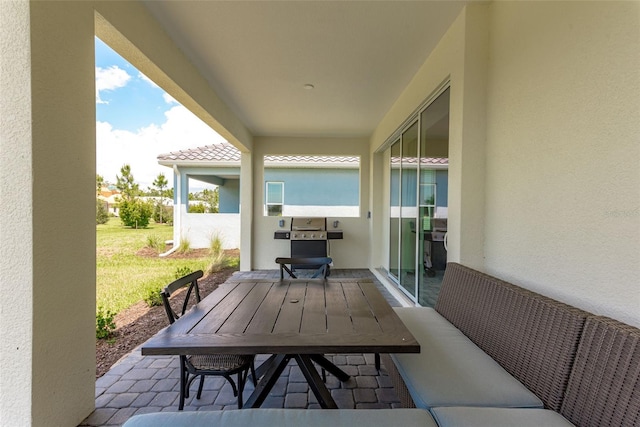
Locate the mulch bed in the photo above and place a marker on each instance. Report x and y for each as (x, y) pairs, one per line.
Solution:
(140, 322)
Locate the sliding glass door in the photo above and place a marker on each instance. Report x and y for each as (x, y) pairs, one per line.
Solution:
(394, 215)
(419, 203)
(433, 197)
(408, 210)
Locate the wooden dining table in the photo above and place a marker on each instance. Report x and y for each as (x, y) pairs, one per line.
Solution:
(298, 319)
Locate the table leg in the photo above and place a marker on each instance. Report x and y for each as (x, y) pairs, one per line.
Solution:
(276, 365)
(264, 366)
(324, 363)
(315, 382)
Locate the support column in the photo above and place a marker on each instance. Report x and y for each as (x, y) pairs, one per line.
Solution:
(246, 211)
(47, 226)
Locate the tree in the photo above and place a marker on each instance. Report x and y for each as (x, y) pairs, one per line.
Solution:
(128, 187)
(160, 183)
(135, 213)
(99, 183)
(102, 216)
(197, 208)
(212, 197)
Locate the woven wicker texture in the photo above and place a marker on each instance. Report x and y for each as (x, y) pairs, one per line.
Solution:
(398, 383)
(604, 388)
(219, 362)
(532, 337)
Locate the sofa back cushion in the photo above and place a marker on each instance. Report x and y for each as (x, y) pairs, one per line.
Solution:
(533, 337)
(604, 386)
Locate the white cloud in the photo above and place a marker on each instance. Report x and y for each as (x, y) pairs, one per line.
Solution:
(182, 130)
(169, 99)
(109, 79)
(148, 80)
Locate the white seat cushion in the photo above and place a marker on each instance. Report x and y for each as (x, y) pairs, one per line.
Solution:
(498, 417)
(451, 370)
(286, 418)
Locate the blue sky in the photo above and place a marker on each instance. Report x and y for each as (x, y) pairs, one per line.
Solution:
(128, 101)
(136, 121)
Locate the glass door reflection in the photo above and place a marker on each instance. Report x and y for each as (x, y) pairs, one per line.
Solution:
(433, 198)
(394, 216)
(408, 210)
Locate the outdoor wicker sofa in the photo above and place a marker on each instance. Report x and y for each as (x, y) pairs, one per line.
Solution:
(493, 354)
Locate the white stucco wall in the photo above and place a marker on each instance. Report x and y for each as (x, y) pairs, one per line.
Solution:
(16, 258)
(459, 58)
(563, 152)
(352, 251)
(200, 228)
(48, 247)
(544, 151)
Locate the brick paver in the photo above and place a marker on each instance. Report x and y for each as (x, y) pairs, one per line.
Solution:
(139, 384)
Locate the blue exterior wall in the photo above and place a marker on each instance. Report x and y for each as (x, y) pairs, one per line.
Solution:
(409, 183)
(317, 187)
(229, 196)
(302, 187)
(442, 188)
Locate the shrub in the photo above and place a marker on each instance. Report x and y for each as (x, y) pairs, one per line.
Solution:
(105, 325)
(219, 259)
(185, 245)
(167, 214)
(153, 297)
(102, 216)
(155, 242)
(197, 208)
(215, 245)
(135, 213)
(182, 271)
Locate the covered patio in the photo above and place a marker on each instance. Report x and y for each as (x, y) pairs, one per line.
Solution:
(541, 140)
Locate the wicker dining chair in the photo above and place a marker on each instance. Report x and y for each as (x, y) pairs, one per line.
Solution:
(192, 367)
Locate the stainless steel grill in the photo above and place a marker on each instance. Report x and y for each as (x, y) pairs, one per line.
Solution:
(309, 239)
(308, 229)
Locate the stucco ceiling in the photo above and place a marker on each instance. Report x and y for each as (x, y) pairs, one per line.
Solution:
(259, 55)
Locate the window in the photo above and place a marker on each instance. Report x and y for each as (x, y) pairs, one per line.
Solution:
(274, 199)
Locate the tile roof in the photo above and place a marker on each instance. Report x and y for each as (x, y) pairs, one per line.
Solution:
(433, 161)
(227, 153)
(223, 152)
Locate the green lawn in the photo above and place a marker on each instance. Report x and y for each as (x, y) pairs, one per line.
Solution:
(124, 278)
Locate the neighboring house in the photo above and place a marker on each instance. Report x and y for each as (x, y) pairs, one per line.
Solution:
(111, 197)
(292, 186)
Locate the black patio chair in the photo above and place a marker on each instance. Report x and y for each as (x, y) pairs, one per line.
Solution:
(192, 367)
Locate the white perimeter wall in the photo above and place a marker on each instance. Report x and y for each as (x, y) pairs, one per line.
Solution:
(200, 228)
(563, 152)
